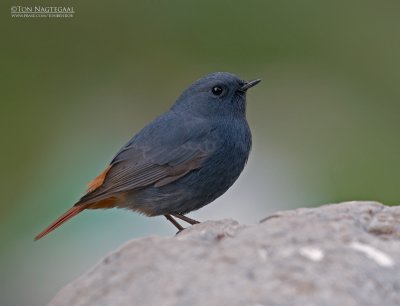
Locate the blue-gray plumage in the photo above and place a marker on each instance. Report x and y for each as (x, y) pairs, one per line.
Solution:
(182, 160)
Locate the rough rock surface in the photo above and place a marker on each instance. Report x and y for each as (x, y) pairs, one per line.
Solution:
(341, 254)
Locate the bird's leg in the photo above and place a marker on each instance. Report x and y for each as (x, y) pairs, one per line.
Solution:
(174, 222)
(186, 219)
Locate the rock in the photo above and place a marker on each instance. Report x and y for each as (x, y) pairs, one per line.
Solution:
(340, 254)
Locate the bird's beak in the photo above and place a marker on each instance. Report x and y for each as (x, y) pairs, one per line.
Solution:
(249, 84)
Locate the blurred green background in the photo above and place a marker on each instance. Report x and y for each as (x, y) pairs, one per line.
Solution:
(325, 119)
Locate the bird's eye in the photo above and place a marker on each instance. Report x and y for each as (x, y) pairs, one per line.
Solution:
(217, 90)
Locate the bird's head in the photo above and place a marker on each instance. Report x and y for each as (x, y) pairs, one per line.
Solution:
(216, 94)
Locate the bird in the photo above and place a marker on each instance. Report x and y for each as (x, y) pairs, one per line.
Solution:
(182, 160)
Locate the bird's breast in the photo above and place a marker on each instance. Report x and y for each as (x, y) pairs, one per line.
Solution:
(230, 156)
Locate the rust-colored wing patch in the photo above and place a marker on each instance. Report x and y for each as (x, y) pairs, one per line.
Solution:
(106, 203)
(98, 181)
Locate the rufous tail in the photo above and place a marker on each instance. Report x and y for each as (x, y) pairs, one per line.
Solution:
(65, 217)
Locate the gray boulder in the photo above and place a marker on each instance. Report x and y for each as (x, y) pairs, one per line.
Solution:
(341, 254)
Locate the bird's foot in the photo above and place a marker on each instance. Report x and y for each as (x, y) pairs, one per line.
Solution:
(176, 224)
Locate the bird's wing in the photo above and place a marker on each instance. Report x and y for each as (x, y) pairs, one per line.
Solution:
(161, 153)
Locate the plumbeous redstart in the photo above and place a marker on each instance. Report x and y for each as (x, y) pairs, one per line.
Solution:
(182, 160)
